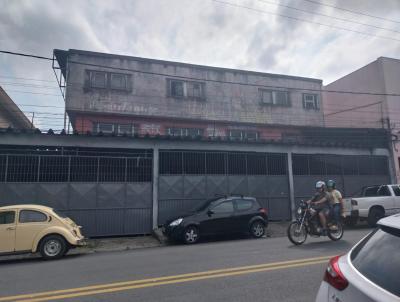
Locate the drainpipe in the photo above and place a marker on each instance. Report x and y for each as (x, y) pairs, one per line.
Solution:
(155, 187)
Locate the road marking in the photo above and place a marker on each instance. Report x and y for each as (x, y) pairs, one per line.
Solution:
(135, 284)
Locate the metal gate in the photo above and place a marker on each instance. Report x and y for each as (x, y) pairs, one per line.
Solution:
(188, 178)
(106, 195)
(351, 173)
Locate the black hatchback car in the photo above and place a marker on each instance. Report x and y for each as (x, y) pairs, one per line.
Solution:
(221, 215)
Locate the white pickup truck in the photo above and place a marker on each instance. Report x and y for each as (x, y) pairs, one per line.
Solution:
(372, 203)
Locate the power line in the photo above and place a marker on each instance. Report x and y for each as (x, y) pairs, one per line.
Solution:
(351, 11)
(25, 55)
(328, 16)
(304, 20)
(228, 82)
(45, 106)
(27, 79)
(354, 108)
(210, 80)
(30, 92)
(28, 85)
(214, 106)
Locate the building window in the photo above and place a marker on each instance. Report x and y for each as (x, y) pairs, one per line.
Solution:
(98, 79)
(277, 98)
(108, 128)
(266, 97)
(125, 129)
(186, 89)
(195, 90)
(281, 98)
(310, 101)
(107, 80)
(187, 132)
(177, 88)
(104, 128)
(174, 131)
(243, 135)
(118, 81)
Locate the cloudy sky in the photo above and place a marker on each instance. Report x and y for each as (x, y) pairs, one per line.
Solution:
(275, 36)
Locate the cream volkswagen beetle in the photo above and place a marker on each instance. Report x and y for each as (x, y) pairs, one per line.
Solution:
(35, 228)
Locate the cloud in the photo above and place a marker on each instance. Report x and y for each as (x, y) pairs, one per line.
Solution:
(197, 31)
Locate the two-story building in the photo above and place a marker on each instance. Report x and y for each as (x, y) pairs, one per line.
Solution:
(154, 139)
(121, 94)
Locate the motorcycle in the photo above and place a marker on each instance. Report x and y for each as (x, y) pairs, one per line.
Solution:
(307, 223)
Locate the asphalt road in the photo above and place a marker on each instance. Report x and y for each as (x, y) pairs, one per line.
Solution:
(236, 270)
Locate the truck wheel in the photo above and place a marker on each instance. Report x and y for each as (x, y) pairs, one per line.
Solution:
(374, 215)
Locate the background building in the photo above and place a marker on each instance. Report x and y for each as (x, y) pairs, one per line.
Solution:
(11, 115)
(377, 106)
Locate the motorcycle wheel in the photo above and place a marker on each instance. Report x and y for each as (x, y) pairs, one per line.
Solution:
(297, 234)
(337, 234)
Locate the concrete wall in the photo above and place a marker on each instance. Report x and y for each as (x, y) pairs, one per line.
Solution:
(380, 76)
(391, 71)
(224, 101)
(366, 79)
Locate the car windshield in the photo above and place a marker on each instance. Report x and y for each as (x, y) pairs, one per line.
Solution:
(377, 257)
(207, 203)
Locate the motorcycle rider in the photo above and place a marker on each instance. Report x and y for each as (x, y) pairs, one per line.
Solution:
(336, 201)
(320, 203)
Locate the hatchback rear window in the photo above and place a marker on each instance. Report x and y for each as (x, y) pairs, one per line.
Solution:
(378, 259)
(244, 205)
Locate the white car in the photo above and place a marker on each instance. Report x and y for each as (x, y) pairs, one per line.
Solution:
(370, 271)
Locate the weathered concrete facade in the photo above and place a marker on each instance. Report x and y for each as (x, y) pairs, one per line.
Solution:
(207, 98)
(78, 175)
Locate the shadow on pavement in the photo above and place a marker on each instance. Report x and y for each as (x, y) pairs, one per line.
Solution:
(325, 245)
(23, 259)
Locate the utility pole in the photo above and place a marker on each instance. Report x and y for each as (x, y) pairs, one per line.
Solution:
(33, 117)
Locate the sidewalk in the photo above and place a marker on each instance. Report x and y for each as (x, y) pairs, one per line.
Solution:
(100, 245)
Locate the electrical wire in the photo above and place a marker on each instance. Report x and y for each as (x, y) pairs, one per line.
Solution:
(303, 20)
(351, 11)
(220, 81)
(328, 16)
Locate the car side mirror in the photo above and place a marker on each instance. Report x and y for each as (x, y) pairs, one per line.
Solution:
(210, 212)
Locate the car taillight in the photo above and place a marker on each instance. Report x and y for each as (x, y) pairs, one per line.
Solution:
(354, 202)
(263, 210)
(334, 276)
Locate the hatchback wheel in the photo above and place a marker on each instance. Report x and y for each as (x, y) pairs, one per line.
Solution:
(191, 235)
(257, 229)
(53, 247)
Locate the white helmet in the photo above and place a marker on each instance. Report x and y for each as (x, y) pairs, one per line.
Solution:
(320, 184)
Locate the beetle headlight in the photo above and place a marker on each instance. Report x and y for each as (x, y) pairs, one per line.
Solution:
(299, 211)
(176, 222)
